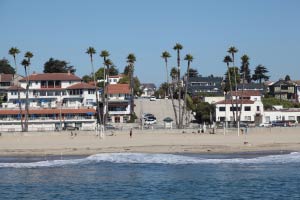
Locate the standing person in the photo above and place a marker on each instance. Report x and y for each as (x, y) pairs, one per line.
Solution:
(130, 133)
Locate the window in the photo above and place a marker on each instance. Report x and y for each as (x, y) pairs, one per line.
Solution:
(247, 108)
(13, 93)
(234, 108)
(222, 109)
(257, 108)
(91, 91)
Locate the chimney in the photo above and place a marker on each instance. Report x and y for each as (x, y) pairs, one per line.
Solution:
(69, 72)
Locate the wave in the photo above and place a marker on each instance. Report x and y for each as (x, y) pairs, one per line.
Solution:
(148, 158)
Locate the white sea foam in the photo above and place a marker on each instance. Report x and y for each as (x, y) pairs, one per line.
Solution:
(147, 158)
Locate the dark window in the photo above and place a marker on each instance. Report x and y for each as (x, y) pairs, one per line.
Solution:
(257, 108)
(222, 109)
(234, 108)
(247, 108)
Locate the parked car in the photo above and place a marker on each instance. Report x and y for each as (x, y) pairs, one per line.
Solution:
(150, 121)
(278, 123)
(152, 98)
(110, 127)
(70, 128)
(265, 125)
(147, 115)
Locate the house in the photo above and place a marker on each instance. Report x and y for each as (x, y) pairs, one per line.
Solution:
(148, 89)
(118, 102)
(115, 79)
(7, 80)
(292, 114)
(209, 84)
(55, 100)
(248, 102)
(285, 90)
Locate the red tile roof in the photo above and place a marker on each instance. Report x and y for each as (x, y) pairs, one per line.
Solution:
(228, 101)
(118, 89)
(246, 93)
(81, 86)
(6, 77)
(52, 77)
(50, 111)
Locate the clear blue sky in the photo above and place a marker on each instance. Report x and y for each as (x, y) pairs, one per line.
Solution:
(267, 31)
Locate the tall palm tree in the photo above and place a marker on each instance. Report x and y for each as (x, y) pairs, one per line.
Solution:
(107, 63)
(189, 58)
(91, 51)
(26, 64)
(232, 50)
(27, 55)
(131, 60)
(177, 48)
(245, 68)
(227, 60)
(14, 51)
(166, 55)
(104, 54)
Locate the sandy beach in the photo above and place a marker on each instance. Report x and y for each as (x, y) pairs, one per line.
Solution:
(151, 141)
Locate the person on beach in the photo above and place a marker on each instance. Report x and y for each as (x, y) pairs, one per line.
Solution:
(130, 133)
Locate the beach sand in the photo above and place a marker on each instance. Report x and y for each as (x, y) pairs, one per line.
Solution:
(151, 141)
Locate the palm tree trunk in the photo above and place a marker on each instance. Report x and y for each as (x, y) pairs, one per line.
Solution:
(230, 87)
(106, 96)
(179, 90)
(171, 94)
(26, 102)
(19, 97)
(96, 93)
(242, 96)
(185, 91)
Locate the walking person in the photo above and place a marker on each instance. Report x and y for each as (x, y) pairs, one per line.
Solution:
(130, 133)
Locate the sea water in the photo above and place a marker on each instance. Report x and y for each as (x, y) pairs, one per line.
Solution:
(152, 176)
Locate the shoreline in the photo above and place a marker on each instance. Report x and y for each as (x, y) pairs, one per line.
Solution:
(278, 140)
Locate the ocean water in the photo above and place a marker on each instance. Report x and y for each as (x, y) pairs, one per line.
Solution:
(152, 176)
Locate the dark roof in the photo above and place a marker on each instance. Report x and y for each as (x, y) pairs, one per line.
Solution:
(251, 86)
(283, 82)
(205, 79)
(52, 77)
(148, 85)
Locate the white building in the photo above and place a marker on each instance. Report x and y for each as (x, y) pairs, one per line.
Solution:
(115, 79)
(55, 100)
(118, 102)
(282, 115)
(248, 102)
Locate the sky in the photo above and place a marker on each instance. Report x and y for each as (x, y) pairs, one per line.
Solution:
(267, 31)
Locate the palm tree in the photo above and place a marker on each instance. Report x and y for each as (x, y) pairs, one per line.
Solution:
(91, 51)
(227, 60)
(189, 58)
(27, 55)
(26, 64)
(177, 48)
(107, 63)
(14, 51)
(104, 54)
(131, 60)
(232, 50)
(166, 55)
(244, 70)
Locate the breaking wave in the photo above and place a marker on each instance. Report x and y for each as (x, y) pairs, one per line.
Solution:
(147, 158)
